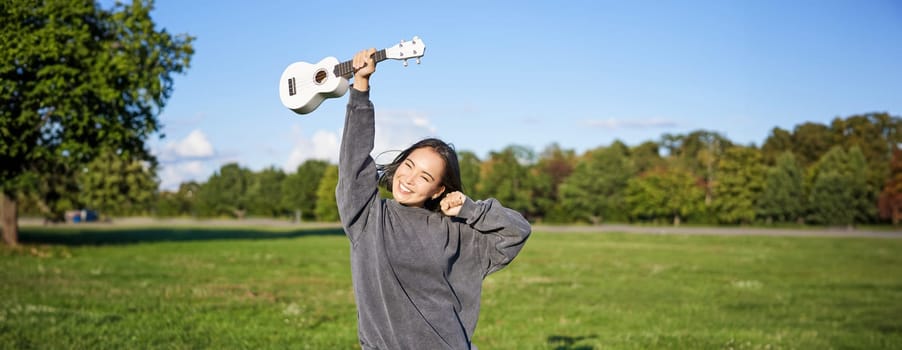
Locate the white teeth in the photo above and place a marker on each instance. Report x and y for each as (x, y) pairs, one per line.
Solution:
(404, 188)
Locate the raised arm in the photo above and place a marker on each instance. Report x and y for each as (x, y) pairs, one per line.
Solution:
(357, 189)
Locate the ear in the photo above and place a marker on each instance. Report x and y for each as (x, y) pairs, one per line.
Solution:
(439, 193)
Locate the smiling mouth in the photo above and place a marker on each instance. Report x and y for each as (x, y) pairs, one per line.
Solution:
(404, 188)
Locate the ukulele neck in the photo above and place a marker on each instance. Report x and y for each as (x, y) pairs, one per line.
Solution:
(346, 69)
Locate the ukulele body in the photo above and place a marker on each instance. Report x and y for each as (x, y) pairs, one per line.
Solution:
(305, 86)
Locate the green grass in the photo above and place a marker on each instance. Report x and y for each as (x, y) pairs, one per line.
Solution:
(178, 288)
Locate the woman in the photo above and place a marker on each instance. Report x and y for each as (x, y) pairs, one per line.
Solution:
(417, 260)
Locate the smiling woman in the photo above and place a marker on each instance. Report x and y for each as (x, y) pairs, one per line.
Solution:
(417, 260)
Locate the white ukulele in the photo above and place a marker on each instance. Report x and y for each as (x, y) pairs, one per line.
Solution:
(304, 86)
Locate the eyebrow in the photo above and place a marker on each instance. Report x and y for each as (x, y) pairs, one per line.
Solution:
(424, 172)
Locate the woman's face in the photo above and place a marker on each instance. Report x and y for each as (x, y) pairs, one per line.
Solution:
(418, 178)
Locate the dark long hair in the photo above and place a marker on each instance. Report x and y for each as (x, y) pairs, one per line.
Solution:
(450, 178)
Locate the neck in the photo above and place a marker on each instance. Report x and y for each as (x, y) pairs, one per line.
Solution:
(346, 69)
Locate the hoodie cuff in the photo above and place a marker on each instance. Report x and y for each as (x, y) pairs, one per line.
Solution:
(468, 210)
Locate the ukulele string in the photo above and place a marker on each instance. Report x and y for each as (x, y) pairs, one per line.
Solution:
(310, 83)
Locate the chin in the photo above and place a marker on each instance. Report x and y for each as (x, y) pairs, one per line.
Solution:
(406, 201)
(401, 198)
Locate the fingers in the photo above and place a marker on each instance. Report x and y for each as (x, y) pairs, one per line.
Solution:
(359, 60)
(457, 199)
(453, 199)
(364, 59)
(453, 203)
(364, 65)
(448, 201)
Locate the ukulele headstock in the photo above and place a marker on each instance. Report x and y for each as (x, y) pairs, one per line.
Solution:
(405, 50)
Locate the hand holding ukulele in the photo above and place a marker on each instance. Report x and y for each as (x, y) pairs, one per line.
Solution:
(364, 65)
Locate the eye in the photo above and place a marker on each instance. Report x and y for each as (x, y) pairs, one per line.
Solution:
(424, 178)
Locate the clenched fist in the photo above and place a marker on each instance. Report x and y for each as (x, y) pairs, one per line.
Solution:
(452, 203)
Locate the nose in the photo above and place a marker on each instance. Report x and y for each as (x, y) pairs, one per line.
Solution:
(407, 179)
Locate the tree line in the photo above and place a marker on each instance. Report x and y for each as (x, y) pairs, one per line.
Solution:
(845, 173)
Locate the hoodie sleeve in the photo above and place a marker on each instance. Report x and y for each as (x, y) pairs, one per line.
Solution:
(501, 231)
(357, 189)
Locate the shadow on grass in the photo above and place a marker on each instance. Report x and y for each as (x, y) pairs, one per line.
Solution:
(89, 236)
(566, 342)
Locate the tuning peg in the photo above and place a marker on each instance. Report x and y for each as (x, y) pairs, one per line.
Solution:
(418, 60)
(405, 62)
(402, 43)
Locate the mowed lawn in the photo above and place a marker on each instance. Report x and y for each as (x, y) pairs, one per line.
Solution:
(244, 288)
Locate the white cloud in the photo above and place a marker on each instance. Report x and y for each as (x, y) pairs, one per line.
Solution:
(193, 146)
(185, 160)
(322, 145)
(612, 123)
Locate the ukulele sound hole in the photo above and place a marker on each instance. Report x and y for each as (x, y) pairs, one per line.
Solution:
(320, 77)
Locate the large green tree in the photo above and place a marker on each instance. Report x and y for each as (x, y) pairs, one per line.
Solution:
(326, 204)
(665, 194)
(116, 186)
(505, 176)
(876, 135)
(179, 203)
(699, 152)
(783, 197)
(778, 142)
(226, 192)
(739, 186)
(810, 141)
(469, 172)
(48, 189)
(76, 78)
(595, 190)
(839, 192)
(264, 193)
(555, 165)
(890, 200)
(646, 156)
(299, 188)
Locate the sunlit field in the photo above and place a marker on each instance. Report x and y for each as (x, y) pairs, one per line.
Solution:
(228, 288)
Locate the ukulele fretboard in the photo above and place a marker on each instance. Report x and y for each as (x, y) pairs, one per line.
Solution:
(346, 69)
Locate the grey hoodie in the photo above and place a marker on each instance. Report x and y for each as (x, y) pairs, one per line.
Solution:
(417, 274)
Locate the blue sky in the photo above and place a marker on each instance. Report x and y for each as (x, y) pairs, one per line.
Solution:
(577, 73)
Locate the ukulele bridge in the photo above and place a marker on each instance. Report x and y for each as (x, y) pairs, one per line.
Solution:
(292, 87)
